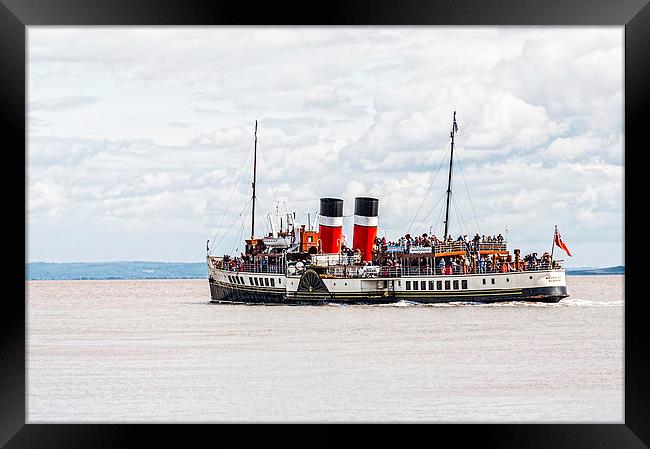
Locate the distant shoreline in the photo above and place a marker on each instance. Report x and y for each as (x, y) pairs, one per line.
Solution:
(120, 279)
(139, 270)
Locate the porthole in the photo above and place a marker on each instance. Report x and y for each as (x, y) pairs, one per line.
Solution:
(530, 277)
(507, 280)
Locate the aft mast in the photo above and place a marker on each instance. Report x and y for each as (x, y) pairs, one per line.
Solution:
(454, 128)
(254, 178)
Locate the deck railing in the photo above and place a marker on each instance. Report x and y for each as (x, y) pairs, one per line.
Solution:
(334, 259)
(355, 271)
(254, 268)
(379, 271)
(446, 247)
(492, 246)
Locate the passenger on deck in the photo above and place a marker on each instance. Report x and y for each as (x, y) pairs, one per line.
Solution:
(481, 264)
(454, 266)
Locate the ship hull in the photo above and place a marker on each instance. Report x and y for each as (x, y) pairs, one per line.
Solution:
(310, 287)
(235, 295)
(220, 293)
(539, 294)
(224, 294)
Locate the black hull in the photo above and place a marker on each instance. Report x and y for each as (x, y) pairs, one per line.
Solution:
(226, 294)
(221, 293)
(541, 294)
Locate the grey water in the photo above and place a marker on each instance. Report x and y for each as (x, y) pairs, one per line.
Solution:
(129, 351)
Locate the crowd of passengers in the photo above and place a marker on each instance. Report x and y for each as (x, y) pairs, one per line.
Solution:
(471, 262)
(467, 264)
(243, 263)
(432, 240)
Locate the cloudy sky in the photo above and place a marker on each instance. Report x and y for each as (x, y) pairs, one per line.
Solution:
(140, 139)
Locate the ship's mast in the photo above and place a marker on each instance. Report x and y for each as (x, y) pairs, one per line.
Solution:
(454, 128)
(254, 178)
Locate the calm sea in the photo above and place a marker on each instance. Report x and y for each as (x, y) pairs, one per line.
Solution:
(157, 351)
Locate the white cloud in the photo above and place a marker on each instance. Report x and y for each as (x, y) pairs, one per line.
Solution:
(63, 103)
(46, 199)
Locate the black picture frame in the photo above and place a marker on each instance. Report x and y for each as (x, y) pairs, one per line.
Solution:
(16, 15)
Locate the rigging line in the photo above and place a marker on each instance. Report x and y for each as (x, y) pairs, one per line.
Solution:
(427, 193)
(246, 206)
(460, 226)
(235, 246)
(463, 226)
(268, 174)
(462, 218)
(424, 220)
(236, 184)
(222, 236)
(438, 221)
(242, 213)
(462, 172)
(239, 236)
(262, 217)
(235, 187)
(266, 199)
(302, 201)
(459, 215)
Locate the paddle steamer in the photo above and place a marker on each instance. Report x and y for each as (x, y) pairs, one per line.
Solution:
(296, 264)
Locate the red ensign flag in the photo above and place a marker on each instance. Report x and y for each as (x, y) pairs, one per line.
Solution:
(560, 243)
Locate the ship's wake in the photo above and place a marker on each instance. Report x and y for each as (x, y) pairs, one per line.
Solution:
(568, 302)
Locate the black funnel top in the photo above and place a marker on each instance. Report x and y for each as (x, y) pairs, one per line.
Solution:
(331, 207)
(366, 207)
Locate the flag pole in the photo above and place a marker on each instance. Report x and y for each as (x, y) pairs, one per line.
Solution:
(553, 245)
